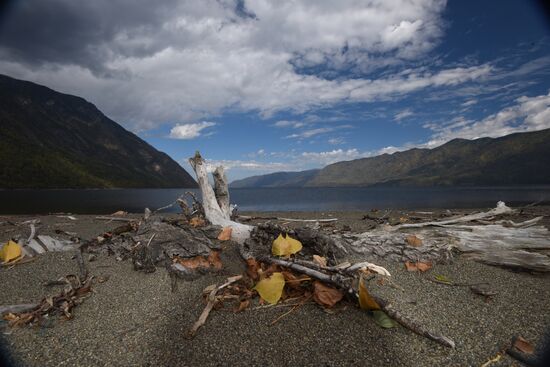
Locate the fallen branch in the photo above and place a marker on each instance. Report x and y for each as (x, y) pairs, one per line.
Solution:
(116, 219)
(212, 210)
(211, 302)
(247, 217)
(25, 307)
(343, 283)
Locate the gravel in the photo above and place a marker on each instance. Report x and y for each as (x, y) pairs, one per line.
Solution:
(134, 319)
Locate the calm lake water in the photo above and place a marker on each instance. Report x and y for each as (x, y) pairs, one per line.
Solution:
(270, 199)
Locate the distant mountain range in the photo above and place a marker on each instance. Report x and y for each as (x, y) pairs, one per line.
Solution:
(54, 140)
(516, 159)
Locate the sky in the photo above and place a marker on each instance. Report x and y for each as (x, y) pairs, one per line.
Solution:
(263, 86)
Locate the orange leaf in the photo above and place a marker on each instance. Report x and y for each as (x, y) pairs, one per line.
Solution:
(319, 260)
(414, 241)
(365, 299)
(424, 266)
(197, 222)
(242, 306)
(214, 260)
(225, 234)
(252, 267)
(524, 346)
(410, 266)
(326, 296)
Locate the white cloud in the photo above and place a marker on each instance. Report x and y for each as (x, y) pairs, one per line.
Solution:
(332, 156)
(250, 165)
(527, 114)
(189, 131)
(318, 131)
(403, 114)
(336, 141)
(199, 57)
(289, 123)
(469, 102)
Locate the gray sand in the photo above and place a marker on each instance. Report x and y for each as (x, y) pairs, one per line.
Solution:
(134, 319)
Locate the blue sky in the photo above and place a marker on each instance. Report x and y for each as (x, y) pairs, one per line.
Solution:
(263, 86)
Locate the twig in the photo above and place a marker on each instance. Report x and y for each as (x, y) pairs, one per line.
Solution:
(81, 266)
(116, 219)
(17, 308)
(290, 311)
(18, 261)
(211, 302)
(341, 282)
(247, 217)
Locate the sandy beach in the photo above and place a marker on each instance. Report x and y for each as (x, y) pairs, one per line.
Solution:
(134, 319)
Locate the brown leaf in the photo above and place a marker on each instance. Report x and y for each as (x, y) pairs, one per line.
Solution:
(424, 266)
(319, 260)
(410, 266)
(225, 234)
(414, 241)
(119, 213)
(197, 222)
(214, 260)
(418, 266)
(325, 295)
(293, 281)
(243, 305)
(366, 302)
(524, 346)
(252, 267)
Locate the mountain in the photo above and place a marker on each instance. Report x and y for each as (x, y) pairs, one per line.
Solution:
(278, 179)
(54, 140)
(516, 159)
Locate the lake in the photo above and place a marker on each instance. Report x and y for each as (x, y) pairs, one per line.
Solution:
(94, 201)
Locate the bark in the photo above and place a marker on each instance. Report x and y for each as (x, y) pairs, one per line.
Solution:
(221, 191)
(212, 211)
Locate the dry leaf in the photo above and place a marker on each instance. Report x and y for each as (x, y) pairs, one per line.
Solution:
(270, 289)
(197, 222)
(243, 305)
(326, 296)
(414, 241)
(252, 267)
(524, 346)
(421, 266)
(410, 266)
(285, 246)
(213, 261)
(424, 266)
(119, 213)
(365, 299)
(319, 260)
(10, 251)
(225, 234)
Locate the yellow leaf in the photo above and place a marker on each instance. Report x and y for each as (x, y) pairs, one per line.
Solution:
(295, 245)
(10, 251)
(271, 289)
(285, 246)
(365, 299)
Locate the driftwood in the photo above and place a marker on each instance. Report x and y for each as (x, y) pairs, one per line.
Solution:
(221, 191)
(211, 302)
(119, 219)
(344, 284)
(21, 308)
(212, 210)
(324, 220)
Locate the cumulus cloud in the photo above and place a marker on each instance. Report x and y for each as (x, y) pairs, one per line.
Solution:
(189, 131)
(184, 61)
(527, 114)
